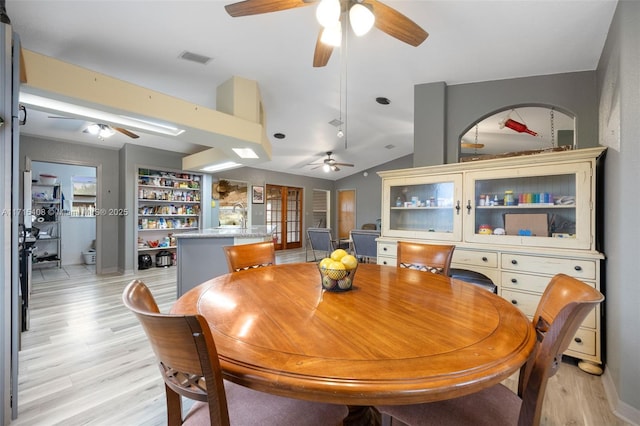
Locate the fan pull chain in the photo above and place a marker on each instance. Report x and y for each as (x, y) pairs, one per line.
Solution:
(553, 130)
(475, 142)
(346, 68)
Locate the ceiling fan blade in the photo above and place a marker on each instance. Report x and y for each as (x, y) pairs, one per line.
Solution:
(256, 7)
(343, 164)
(126, 132)
(64, 118)
(322, 53)
(396, 24)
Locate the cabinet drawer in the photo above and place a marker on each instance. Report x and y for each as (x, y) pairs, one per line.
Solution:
(528, 303)
(581, 269)
(476, 258)
(387, 249)
(386, 260)
(584, 342)
(491, 273)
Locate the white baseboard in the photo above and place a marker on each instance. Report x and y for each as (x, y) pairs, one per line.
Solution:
(619, 408)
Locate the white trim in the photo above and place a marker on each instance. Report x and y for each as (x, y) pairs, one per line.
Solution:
(621, 409)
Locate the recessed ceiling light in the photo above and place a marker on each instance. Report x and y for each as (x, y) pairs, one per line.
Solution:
(221, 166)
(245, 152)
(382, 100)
(279, 135)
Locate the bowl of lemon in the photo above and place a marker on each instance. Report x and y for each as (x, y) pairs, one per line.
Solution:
(338, 270)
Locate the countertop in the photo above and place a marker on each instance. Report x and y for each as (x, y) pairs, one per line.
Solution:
(249, 232)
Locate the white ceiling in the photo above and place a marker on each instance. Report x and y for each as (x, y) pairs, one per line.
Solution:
(469, 41)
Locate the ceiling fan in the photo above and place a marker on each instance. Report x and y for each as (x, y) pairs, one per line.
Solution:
(386, 19)
(99, 129)
(330, 164)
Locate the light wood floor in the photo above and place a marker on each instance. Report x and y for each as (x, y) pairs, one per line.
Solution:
(85, 360)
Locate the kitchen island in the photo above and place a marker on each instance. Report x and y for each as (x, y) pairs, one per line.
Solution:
(200, 256)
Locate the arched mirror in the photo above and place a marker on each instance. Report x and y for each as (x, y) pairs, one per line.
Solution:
(518, 129)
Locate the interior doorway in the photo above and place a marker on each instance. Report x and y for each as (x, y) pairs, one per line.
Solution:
(75, 222)
(346, 212)
(284, 215)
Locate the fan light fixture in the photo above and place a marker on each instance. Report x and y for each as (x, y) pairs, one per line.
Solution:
(326, 168)
(332, 35)
(361, 19)
(100, 130)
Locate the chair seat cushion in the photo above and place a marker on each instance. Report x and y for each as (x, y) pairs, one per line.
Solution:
(248, 407)
(473, 277)
(494, 406)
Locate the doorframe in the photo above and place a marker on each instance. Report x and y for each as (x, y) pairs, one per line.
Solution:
(27, 166)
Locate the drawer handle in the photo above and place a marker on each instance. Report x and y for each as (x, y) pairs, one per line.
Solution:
(514, 301)
(513, 280)
(484, 259)
(514, 262)
(384, 262)
(384, 249)
(578, 340)
(578, 268)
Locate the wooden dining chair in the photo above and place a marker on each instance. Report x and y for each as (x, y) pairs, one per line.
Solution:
(188, 361)
(247, 256)
(434, 258)
(564, 305)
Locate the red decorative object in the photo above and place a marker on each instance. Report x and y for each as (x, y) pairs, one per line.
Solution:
(517, 126)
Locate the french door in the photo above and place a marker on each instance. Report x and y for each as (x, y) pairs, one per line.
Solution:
(284, 214)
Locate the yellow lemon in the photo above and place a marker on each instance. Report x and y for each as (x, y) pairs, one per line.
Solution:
(324, 263)
(336, 271)
(349, 261)
(338, 254)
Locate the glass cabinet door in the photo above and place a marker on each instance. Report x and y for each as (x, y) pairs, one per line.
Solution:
(547, 206)
(423, 207)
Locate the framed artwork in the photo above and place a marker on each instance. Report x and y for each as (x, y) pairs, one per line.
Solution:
(257, 194)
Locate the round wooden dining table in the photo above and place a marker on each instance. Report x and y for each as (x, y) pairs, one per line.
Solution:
(399, 336)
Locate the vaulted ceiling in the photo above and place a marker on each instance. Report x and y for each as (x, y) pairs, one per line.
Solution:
(469, 41)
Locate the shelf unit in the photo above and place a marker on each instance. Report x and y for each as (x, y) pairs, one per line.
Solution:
(83, 203)
(547, 225)
(168, 202)
(46, 208)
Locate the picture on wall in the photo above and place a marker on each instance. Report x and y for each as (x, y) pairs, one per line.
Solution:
(257, 194)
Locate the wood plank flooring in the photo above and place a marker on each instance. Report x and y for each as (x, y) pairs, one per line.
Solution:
(86, 361)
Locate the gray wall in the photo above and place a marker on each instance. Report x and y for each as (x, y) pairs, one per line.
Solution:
(106, 162)
(261, 177)
(369, 190)
(619, 74)
(574, 93)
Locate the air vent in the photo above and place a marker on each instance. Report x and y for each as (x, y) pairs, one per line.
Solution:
(194, 57)
(335, 122)
(390, 146)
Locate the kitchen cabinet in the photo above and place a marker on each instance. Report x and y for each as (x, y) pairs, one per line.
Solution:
(168, 202)
(46, 207)
(518, 220)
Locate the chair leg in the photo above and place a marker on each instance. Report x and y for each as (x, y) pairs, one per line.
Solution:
(174, 407)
